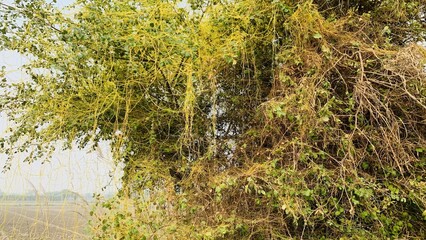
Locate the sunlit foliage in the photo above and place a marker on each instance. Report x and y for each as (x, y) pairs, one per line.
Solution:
(242, 119)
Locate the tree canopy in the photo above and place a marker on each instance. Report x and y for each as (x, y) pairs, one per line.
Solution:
(236, 119)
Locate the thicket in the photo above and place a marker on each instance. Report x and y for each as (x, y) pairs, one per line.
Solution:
(239, 119)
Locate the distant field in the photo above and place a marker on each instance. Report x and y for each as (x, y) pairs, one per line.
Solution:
(51, 221)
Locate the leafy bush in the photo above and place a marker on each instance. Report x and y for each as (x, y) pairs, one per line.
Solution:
(235, 119)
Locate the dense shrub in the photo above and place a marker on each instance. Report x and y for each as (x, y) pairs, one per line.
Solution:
(240, 119)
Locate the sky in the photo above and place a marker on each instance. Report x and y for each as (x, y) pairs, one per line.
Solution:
(81, 171)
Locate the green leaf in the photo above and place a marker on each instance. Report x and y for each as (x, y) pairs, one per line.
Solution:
(317, 36)
(365, 165)
(325, 119)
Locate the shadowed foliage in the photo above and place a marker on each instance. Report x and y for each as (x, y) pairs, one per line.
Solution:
(242, 119)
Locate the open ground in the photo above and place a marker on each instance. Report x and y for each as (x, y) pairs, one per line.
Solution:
(32, 221)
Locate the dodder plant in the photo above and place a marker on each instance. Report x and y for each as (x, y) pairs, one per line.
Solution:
(243, 119)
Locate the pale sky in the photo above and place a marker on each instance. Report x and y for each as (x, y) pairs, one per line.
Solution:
(77, 170)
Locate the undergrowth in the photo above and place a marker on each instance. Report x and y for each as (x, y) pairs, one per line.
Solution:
(244, 119)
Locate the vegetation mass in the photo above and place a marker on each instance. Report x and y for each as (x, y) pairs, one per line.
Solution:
(236, 119)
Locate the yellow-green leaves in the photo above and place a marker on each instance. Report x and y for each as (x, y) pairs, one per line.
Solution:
(236, 119)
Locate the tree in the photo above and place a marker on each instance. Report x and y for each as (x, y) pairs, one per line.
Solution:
(240, 119)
